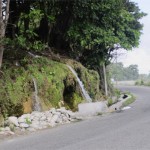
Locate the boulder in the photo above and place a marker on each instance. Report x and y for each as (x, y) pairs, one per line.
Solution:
(52, 110)
(54, 118)
(31, 129)
(35, 124)
(89, 109)
(24, 125)
(21, 119)
(43, 118)
(7, 129)
(13, 120)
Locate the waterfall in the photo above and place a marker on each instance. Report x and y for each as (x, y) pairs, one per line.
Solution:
(84, 92)
(36, 102)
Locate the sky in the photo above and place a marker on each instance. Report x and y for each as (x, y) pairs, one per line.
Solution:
(140, 55)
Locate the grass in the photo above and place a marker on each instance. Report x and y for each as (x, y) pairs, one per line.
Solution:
(110, 102)
(129, 100)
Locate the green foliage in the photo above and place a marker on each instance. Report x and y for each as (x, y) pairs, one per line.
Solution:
(12, 127)
(110, 102)
(144, 79)
(90, 79)
(49, 76)
(73, 102)
(1, 121)
(105, 26)
(141, 82)
(117, 92)
(129, 100)
(121, 73)
(27, 37)
(90, 30)
(85, 30)
(28, 121)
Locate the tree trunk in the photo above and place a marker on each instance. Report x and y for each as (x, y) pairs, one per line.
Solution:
(2, 28)
(1, 54)
(105, 80)
(3, 24)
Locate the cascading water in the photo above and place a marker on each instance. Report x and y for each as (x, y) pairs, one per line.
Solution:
(36, 102)
(84, 92)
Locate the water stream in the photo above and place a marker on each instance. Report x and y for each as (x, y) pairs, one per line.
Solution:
(84, 92)
(36, 102)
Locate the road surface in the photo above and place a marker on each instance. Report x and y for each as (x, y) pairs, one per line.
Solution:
(127, 130)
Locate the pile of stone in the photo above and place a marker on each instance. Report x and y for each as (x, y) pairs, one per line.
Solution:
(39, 120)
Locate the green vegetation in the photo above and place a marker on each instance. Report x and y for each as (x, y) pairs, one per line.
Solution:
(110, 102)
(121, 73)
(129, 100)
(144, 79)
(28, 121)
(55, 83)
(89, 78)
(56, 30)
(88, 31)
(1, 121)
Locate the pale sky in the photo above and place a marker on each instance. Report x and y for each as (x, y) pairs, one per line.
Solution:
(140, 55)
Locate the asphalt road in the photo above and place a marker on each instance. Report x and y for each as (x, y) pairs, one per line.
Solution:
(127, 130)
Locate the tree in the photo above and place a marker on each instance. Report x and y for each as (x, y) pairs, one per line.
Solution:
(4, 15)
(88, 31)
(121, 73)
(85, 30)
(132, 72)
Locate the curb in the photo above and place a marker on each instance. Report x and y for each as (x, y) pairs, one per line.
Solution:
(119, 105)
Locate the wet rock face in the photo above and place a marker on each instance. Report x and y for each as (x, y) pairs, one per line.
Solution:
(39, 120)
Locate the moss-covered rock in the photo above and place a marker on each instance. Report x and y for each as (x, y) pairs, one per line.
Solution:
(55, 84)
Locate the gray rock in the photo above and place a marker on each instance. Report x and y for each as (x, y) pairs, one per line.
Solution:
(7, 129)
(35, 124)
(13, 120)
(89, 109)
(52, 110)
(7, 133)
(48, 114)
(65, 119)
(54, 118)
(49, 119)
(24, 125)
(26, 116)
(71, 114)
(43, 123)
(31, 129)
(57, 113)
(10, 133)
(21, 119)
(43, 118)
(2, 133)
(59, 120)
(62, 109)
(23, 129)
(36, 114)
(52, 124)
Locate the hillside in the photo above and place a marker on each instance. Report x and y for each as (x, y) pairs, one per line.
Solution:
(56, 85)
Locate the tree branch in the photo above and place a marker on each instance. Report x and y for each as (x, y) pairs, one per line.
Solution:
(7, 13)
